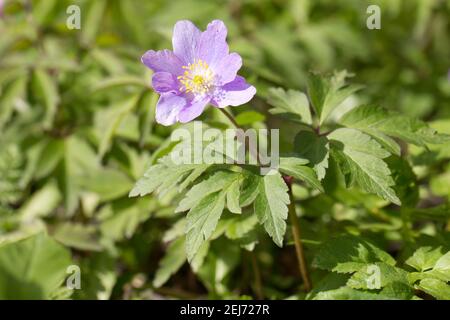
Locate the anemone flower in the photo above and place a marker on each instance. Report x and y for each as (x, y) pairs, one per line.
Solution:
(200, 70)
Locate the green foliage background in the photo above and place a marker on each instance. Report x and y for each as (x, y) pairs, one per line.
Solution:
(77, 131)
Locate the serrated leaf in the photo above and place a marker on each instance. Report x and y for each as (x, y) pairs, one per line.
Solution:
(291, 104)
(218, 181)
(441, 269)
(316, 149)
(199, 258)
(271, 206)
(250, 189)
(437, 288)
(377, 276)
(379, 122)
(425, 258)
(406, 185)
(239, 226)
(165, 175)
(328, 93)
(233, 194)
(172, 261)
(361, 158)
(349, 254)
(202, 221)
(295, 167)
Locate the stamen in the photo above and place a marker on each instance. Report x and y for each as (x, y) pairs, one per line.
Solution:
(197, 78)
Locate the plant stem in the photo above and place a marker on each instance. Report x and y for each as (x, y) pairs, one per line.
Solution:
(252, 151)
(297, 239)
(230, 117)
(258, 284)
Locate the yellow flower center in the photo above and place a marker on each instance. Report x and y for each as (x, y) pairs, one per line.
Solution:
(197, 78)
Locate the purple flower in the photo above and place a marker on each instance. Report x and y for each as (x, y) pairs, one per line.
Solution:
(200, 70)
(1, 8)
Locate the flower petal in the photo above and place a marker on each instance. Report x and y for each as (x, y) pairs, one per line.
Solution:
(185, 40)
(193, 109)
(164, 60)
(164, 82)
(234, 93)
(168, 107)
(227, 69)
(213, 46)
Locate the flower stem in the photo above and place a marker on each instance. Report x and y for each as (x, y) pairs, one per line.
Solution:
(258, 288)
(258, 284)
(297, 238)
(252, 151)
(230, 117)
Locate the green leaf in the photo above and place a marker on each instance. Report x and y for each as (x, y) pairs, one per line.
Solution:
(249, 117)
(42, 203)
(9, 96)
(32, 268)
(78, 236)
(360, 159)
(119, 81)
(172, 261)
(366, 278)
(202, 221)
(109, 61)
(349, 254)
(250, 189)
(406, 185)
(316, 149)
(328, 93)
(92, 21)
(108, 183)
(233, 194)
(238, 227)
(220, 180)
(292, 104)
(271, 206)
(380, 122)
(120, 220)
(295, 167)
(42, 10)
(347, 293)
(47, 90)
(441, 269)
(425, 258)
(50, 156)
(79, 161)
(437, 288)
(108, 121)
(165, 175)
(98, 277)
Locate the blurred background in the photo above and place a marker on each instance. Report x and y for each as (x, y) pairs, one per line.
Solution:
(77, 130)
